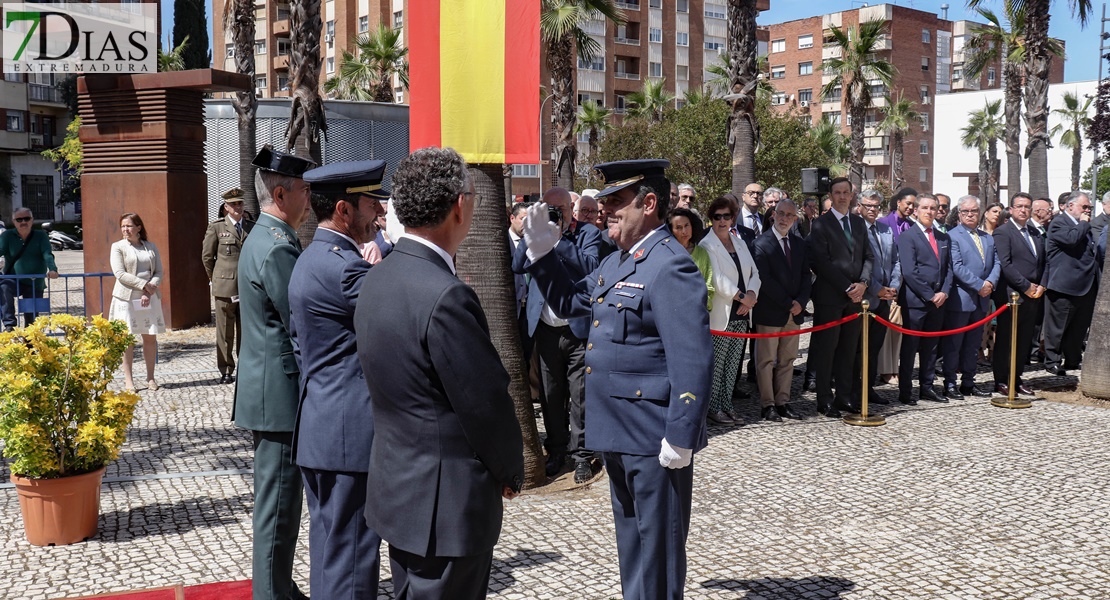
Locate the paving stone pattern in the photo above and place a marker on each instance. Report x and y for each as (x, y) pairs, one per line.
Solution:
(961, 500)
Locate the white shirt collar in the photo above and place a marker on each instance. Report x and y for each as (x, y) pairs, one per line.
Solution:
(924, 228)
(1074, 221)
(637, 245)
(837, 214)
(342, 235)
(440, 251)
(778, 236)
(233, 222)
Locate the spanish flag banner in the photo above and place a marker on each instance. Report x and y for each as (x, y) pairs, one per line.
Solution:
(474, 78)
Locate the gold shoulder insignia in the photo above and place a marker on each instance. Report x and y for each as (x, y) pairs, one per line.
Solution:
(688, 397)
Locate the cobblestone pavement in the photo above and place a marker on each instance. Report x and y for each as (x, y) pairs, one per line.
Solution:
(960, 500)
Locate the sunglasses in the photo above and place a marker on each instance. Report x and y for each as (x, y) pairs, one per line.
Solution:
(722, 216)
(22, 219)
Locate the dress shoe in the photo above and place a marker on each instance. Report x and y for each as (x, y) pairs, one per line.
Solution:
(770, 414)
(719, 417)
(952, 392)
(582, 471)
(1057, 370)
(787, 413)
(833, 413)
(555, 464)
(1025, 390)
(873, 397)
(908, 400)
(927, 393)
(735, 416)
(974, 392)
(1002, 389)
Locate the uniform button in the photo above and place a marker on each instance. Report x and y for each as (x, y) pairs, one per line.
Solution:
(590, 346)
(639, 393)
(596, 323)
(600, 299)
(589, 370)
(619, 305)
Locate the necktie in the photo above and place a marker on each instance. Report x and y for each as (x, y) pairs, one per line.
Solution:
(933, 242)
(624, 256)
(786, 251)
(755, 222)
(1029, 240)
(239, 229)
(847, 230)
(978, 244)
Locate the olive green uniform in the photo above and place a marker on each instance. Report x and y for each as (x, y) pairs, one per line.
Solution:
(220, 255)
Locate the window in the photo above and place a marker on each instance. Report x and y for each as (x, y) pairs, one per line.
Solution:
(655, 69)
(957, 73)
(926, 36)
(805, 95)
(583, 137)
(715, 11)
(834, 95)
(923, 175)
(595, 64)
(778, 98)
(924, 121)
(924, 63)
(16, 77)
(331, 64)
(260, 46)
(285, 46)
(679, 103)
(924, 146)
(805, 68)
(398, 19)
(682, 72)
(526, 171)
(683, 6)
(925, 94)
(832, 117)
(778, 45)
(878, 90)
(778, 72)
(260, 82)
(718, 46)
(622, 104)
(363, 24)
(283, 83)
(682, 38)
(990, 76)
(805, 41)
(655, 34)
(330, 28)
(230, 52)
(655, 3)
(15, 121)
(806, 120)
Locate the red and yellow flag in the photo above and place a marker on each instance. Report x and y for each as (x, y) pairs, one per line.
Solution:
(474, 78)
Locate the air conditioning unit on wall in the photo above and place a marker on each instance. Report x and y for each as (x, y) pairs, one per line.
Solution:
(804, 103)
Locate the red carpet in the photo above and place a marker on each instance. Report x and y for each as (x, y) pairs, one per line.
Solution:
(228, 590)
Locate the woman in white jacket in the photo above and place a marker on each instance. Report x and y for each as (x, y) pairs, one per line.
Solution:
(136, 297)
(736, 287)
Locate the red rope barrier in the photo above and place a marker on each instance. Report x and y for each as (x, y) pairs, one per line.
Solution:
(734, 334)
(985, 320)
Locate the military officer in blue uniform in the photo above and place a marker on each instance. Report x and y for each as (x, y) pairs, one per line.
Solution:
(331, 442)
(268, 386)
(647, 378)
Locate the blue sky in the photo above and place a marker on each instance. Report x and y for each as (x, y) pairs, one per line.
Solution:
(1082, 43)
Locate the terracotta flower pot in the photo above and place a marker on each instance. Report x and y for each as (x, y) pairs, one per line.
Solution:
(59, 511)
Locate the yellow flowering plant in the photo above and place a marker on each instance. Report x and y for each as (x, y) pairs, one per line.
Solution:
(57, 416)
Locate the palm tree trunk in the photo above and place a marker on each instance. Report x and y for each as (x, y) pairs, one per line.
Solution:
(1037, 59)
(984, 176)
(560, 58)
(593, 143)
(897, 169)
(856, 112)
(245, 102)
(1095, 379)
(1013, 129)
(306, 116)
(483, 264)
(743, 132)
(1076, 153)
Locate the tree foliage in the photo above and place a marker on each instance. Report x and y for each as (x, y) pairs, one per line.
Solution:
(189, 22)
(67, 160)
(367, 74)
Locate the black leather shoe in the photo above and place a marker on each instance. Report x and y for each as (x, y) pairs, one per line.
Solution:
(735, 416)
(555, 464)
(1025, 390)
(1002, 389)
(952, 393)
(927, 393)
(873, 397)
(720, 417)
(908, 400)
(582, 471)
(974, 392)
(1057, 371)
(833, 413)
(770, 414)
(787, 413)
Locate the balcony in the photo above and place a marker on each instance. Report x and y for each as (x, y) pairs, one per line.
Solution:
(881, 159)
(628, 41)
(627, 75)
(833, 51)
(627, 5)
(281, 94)
(41, 141)
(281, 62)
(281, 27)
(48, 94)
(884, 43)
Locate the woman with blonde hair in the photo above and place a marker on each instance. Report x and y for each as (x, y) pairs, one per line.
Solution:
(136, 297)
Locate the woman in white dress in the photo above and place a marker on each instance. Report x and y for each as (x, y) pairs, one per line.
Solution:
(136, 299)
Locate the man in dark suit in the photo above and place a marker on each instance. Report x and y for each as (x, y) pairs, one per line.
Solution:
(1072, 283)
(220, 254)
(1021, 255)
(923, 251)
(561, 343)
(447, 446)
(268, 387)
(841, 258)
(882, 290)
(331, 442)
(975, 272)
(647, 380)
(780, 256)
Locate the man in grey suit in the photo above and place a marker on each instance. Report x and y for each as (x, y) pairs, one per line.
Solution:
(975, 273)
(886, 278)
(267, 389)
(331, 443)
(447, 446)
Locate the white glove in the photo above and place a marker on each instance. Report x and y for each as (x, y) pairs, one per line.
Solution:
(539, 232)
(673, 457)
(393, 227)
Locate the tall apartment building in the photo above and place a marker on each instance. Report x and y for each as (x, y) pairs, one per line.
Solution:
(926, 49)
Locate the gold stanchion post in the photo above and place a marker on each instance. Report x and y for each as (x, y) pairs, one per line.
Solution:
(1011, 401)
(863, 419)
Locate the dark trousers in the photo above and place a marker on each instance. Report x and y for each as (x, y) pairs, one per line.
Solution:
(1027, 318)
(10, 290)
(563, 393)
(961, 350)
(432, 577)
(833, 352)
(229, 335)
(278, 494)
(343, 551)
(876, 335)
(651, 514)
(929, 318)
(1066, 320)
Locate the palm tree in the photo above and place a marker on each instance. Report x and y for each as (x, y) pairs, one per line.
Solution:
(594, 119)
(651, 101)
(174, 60)
(743, 80)
(853, 71)
(306, 115)
(983, 130)
(561, 31)
(900, 114)
(833, 145)
(1073, 119)
(1038, 56)
(367, 74)
(239, 15)
(719, 84)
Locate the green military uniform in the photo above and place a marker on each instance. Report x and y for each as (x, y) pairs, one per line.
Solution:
(268, 389)
(220, 255)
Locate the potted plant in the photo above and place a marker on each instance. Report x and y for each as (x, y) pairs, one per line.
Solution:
(59, 423)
